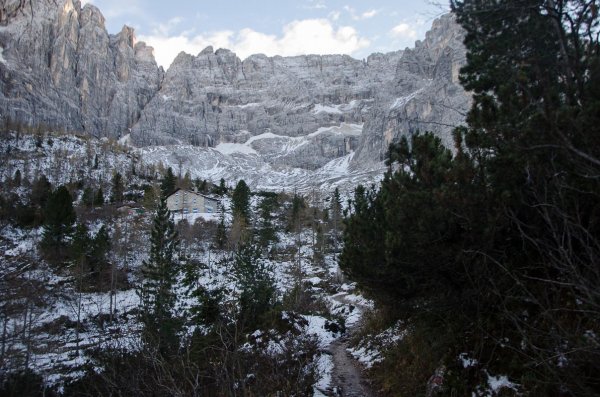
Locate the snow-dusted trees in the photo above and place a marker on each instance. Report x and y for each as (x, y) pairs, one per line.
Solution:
(257, 286)
(58, 225)
(156, 293)
(117, 188)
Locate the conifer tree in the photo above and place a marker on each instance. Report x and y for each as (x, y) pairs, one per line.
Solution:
(99, 198)
(58, 222)
(222, 188)
(255, 281)
(221, 235)
(156, 293)
(267, 232)
(240, 202)
(169, 183)
(335, 216)
(88, 197)
(117, 188)
(186, 181)
(17, 178)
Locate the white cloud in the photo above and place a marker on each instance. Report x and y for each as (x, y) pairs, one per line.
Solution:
(403, 30)
(369, 14)
(358, 17)
(309, 36)
(315, 5)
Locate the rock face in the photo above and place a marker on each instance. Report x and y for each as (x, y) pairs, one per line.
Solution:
(425, 95)
(60, 67)
(216, 98)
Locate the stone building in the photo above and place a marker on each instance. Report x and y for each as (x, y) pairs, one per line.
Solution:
(189, 202)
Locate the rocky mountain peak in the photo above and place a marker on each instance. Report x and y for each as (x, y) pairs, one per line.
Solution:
(60, 67)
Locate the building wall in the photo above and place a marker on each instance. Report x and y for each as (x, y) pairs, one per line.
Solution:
(190, 203)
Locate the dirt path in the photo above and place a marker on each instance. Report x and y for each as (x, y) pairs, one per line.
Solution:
(347, 378)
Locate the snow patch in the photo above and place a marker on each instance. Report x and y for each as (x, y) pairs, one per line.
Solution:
(466, 361)
(230, 148)
(319, 108)
(500, 382)
(248, 105)
(2, 59)
(344, 129)
(316, 326)
(126, 140)
(401, 101)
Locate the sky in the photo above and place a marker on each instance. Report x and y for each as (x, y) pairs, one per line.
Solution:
(272, 27)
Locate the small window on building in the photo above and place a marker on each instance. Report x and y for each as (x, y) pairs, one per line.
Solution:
(195, 210)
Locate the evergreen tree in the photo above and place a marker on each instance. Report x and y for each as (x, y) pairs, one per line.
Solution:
(222, 188)
(157, 295)
(240, 202)
(88, 197)
(255, 281)
(99, 198)
(221, 235)
(267, 233)
(296, 213)
(169, 183)
(205, 308)
(117, 188)
(17, 178)
(58, 223)
(81, 245)
(186, 182)
(40, 192)
(150, 197)
(100, 246)
(335, 216)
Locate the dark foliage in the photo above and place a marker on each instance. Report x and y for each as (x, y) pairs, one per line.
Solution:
(494, 250)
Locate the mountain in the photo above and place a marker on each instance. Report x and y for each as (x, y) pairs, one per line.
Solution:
(304, 115)
(61, 68)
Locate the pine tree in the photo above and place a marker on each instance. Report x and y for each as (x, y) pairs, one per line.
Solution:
(17, 178)
(99, 198)
(87, 198)
(150, 197)
(296, 213)
(81, 244)
(267, 233)
(117, 189)
(169, 183)
(240, 202)
(186, 181)
(40, 191)
(256, 284)
(222, 188)
(205, 308)
(58, 222)
(335, 216)
(221, 235)
(157, 295)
